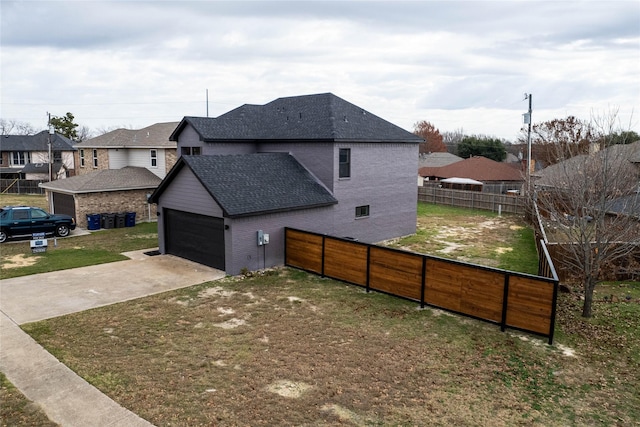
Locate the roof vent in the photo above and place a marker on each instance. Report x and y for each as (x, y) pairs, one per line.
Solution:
(345, 119)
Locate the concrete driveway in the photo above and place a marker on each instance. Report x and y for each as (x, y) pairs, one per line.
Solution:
(66, 398)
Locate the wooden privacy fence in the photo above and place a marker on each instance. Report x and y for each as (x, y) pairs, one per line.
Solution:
(512, 300)
(471, 199)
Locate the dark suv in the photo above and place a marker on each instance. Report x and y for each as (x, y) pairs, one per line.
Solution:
(24, 221)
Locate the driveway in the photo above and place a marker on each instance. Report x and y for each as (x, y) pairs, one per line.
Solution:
(66, 398)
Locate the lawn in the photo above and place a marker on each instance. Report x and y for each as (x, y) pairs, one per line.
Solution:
(289, 348)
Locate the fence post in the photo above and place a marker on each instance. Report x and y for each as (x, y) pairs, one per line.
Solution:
(322, 256)
(424, 280)
(368, 266)
(505, 297)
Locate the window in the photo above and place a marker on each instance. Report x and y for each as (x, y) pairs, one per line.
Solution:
(362, 211)
(154, 158)
(95, 158)
(190, 151)
(38, 214)
(345, 163)
(20, 158)
(81, 158)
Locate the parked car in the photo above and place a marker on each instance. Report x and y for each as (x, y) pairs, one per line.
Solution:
(24, 221)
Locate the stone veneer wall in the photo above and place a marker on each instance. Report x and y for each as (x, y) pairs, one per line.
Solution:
(103, 160)
(170, 158)
(115, 202)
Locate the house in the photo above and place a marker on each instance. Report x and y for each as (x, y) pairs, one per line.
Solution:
(27, 157)
(148, 147)
(104, 191)
(315, 162)
(496, 177)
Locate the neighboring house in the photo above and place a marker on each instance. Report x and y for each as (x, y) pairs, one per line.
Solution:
(495, 176)
(105, 191)
(149, 148)
(435, 160)
(27, 157)
(315, 162)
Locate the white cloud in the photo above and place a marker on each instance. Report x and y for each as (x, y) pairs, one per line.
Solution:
(456, 64)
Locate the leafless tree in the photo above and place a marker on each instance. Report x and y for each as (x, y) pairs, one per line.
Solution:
(14, 127)
(592, 207)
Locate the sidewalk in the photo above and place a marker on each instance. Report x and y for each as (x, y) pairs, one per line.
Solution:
(66, 398)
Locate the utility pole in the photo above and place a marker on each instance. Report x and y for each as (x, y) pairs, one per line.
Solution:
(527, 119)
(207, 102)
(49, 142)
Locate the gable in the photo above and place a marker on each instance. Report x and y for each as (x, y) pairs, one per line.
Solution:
(253, 184)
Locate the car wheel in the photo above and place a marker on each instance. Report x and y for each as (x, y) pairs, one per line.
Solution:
(62, 230)
(3, 236)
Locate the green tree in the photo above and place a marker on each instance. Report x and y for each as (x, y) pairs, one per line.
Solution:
(623, 137)
(491, 148)
(65, 126)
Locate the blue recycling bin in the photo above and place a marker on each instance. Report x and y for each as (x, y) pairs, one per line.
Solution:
(93, 221)
(130, 219)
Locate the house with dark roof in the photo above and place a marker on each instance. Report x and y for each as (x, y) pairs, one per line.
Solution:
(314, 162)
(104, 191)
(27, 157)
(149, 147)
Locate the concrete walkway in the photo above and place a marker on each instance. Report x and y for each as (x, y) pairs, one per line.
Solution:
(66, 398)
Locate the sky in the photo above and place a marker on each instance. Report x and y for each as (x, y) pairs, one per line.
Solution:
(460, 65)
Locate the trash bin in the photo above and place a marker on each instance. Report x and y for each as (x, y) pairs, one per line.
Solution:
(108, 220)
(93, 221)
(120, 220)
(130, 219)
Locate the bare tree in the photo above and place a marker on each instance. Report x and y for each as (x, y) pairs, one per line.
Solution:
(452, 139)
(14, 127)
(592, 207)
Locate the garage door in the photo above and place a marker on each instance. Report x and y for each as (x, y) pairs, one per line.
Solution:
(195, 237)
(64, 204)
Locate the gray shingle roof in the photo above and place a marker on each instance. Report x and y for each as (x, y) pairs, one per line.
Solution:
(127, 178)
(156, 135)
(321, 117)
(41, 168)
(37, 142)
(252, 184)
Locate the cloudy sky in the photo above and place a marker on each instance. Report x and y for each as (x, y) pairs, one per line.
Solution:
(459, 65)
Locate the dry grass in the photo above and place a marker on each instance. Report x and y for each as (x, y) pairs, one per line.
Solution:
(290, 348)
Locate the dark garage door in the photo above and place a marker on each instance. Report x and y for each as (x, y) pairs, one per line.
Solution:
(64, 204)
(195, 237)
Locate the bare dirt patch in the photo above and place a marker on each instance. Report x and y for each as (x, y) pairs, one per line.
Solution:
(19, 260)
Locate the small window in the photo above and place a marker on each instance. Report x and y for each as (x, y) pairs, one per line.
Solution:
(362, 211)
(190, 151)
(345, 163)
(95, 158)
(154, 158)
(81, 158)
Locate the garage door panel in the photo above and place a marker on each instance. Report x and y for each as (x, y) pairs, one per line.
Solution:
(64, 204)
(195, 237)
